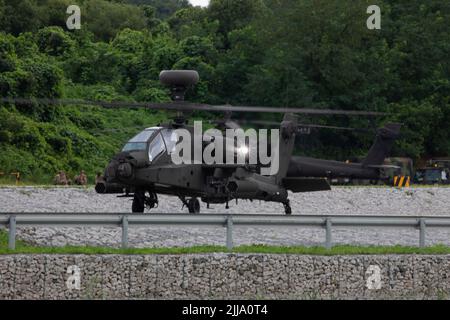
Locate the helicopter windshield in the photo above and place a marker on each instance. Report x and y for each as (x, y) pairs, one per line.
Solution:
(171, 139)
(139, 142)
(156, 147)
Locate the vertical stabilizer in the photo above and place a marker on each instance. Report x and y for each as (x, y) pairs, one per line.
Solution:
(288, 130)
(383, 144)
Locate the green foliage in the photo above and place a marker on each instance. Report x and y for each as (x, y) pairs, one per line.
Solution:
(18, 16)
(101, 17)
(163, 8)
(316, 54)
(54, 41)
(234, 14)
(147, 92)
(81, 138)
(105, 19)
(193, 21)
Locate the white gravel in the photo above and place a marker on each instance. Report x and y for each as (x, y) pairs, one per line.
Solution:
(341, 200)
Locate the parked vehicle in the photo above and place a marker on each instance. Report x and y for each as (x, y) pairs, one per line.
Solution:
(436, 171)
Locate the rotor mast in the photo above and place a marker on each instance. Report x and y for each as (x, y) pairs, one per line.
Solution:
(179, 81)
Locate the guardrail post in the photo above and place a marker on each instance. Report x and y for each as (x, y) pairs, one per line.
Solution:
(124, 232)
(328, 233)
(229, 233)
(422, 226)
(12, 233)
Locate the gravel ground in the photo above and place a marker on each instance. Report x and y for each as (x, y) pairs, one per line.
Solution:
(341, 200)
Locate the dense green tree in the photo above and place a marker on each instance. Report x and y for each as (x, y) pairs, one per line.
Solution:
(193, 21)
(103, 18)
(54, 41)
(234, 14)
(18, 16)
(163, 8)
(305, 53)
(106, 19)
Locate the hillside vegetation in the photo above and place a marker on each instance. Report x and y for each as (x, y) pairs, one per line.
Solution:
(316, 54)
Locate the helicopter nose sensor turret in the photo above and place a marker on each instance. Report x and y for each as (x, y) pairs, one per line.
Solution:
(179, 81)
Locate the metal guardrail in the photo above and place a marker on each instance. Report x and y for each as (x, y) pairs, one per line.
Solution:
(125, 221)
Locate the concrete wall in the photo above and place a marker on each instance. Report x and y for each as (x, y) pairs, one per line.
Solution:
(223, 276)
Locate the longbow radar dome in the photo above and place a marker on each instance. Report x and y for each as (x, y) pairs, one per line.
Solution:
(179, 78)
(179, 81)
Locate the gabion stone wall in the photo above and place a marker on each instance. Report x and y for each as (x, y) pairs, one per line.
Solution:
(238, 276)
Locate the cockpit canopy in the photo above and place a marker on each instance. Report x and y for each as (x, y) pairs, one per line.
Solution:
(155, 141)
(139, 142)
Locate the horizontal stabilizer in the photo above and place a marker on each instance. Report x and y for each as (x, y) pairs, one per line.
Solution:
(383, 166)
(306, 184)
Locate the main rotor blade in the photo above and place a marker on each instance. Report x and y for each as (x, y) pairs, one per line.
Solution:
(186, 106)
(333, 127)
(304, 125)
(257, 109)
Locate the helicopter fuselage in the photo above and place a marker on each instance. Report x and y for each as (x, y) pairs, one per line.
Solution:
(146, 165)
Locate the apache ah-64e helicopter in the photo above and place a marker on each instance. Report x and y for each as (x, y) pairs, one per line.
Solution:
(145, 168)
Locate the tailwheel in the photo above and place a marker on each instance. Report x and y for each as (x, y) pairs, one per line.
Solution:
(287, 208)
(193, 205)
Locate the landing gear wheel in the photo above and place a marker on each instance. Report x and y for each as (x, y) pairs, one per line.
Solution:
(287, 208)
(151, 201)
(193, 205)
(138, 202)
